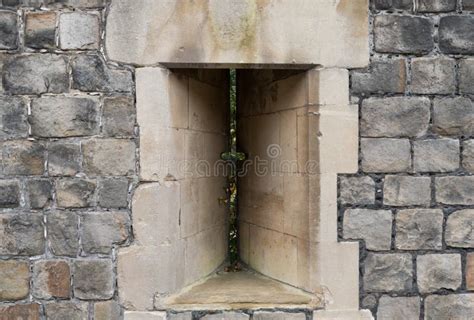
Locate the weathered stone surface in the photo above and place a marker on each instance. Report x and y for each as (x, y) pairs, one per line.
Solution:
(393, 4)
(79, 30)
(453, 116)
(51, 279)
(455, 190)
(385, 155)
(468, 155)
(100, 231)
(75, 193)
(239, 32)
(91, 73)
(36, 74)
(64, 158)
(23, 158)
(39, 193)
(109, 157)
(21, 234)
(388, 272)
(119, 116)
(468, 5)
(384, 76)
(407, 191)
(8, 30)
(63, 233)
(72, 117)
(458, 229)
(436, 155)
(14, 279)
(136, 315)
(391, 308)
(259, 315)
(113, 193)
(403, 34)
(9, 194)
(21, 312)
(466, 75)
(394, 117)
(433, 75)
(372, 226)
(226, 316)
(436, 5)
(438, 271)
(452, 306)
(66, 310)
(13, 118)
(76, 3)
(357, 190)
(93, 279)
(107, 310)
(419, 229)
(40, 30)
(455, 34)
(180, 316)
(470, 271)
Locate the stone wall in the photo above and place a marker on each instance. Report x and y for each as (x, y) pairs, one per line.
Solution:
(412, 201)
(69, 151)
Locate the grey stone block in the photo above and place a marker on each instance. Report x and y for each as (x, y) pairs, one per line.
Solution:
(403, 34)
(72, 117)
(393, 4)
(66, 310)
(8, 30)
(64, 158)
(452, 306)
(226, 316)
(75, 193)
(391, 308)
(388, 272)
(384, 76)
(79, 31)
(278, 315)
(453, 116)
(395, 117)
(438, 271)
(119, 117)
(91, 73)
(466, 76)
(455, 34)
(385, 155)
(433, 76)
(93, 279)
(9, 194)
(40, 30)
(22, 234)
(23, 158)
(109, 157)
(100, 231)
(468, 155)
(63, 233)
(13, 118)
(436, 155)
(372, 226)
(36, 74)
(407, 191)
(436, 5)
(458, 229)
(419, 229)
(455, 190)
(357, 190)
(113, 193)
(39, 193)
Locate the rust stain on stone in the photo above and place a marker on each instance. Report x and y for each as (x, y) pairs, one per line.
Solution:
(58, 279)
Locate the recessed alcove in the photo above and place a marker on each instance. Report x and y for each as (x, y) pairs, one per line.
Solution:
(180, 221)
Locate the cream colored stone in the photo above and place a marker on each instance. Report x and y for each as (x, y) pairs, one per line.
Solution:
(133, 315)
(296, 205)
(233, 32)
(328, 86)
(343, 315)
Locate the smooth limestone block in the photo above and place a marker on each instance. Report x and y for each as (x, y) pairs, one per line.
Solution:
(239, 32)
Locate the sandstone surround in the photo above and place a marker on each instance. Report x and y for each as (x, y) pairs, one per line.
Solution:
(239, 32)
